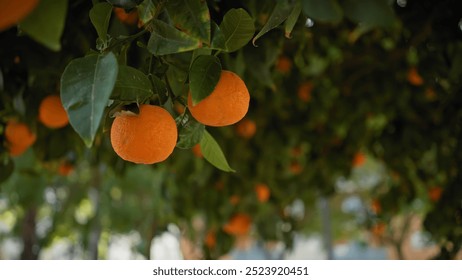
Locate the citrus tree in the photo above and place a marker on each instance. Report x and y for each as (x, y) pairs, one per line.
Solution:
(128, 115)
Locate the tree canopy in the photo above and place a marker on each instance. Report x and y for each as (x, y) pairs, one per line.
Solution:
(337, 87)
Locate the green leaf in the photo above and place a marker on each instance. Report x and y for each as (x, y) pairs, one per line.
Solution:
(238, 29)
(280, 13)
(46, 23)
(218, 38)
(146, 11)
(177, 79)
(213, 153)
(159, 86)
(190, 131)
(371, 13)
(191, 16)
(323, 10)
(100, 16)
(199, 52)
(86, 85)
(166, 39)
(6, 169)
(203, 77)
(292, 19)
(126, 4)
(131, 85)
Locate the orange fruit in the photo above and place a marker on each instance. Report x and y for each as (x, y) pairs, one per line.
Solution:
(430, 94)
(246, 128)
(227, 104)
(146, 138)
(304, 91)
(210, 239)
(434, 193)
(296, 151)
(196, 149)
(359, 159)
(65, 168)
(295, 168)
(283, 65)
(52, 113)
(179, 108)
(376, 206)
(378, 229)
(130, 18)
(19, 137)
(263, 192)
(413, 77)
(234, 199)
(12, 12)
(239, 224)
(219, 185)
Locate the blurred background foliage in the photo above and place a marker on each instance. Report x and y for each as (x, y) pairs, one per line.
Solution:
(352, 99)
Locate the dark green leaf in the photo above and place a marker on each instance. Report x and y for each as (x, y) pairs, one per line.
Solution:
(46, 23)
(238, 29)
(166, 39)
(159, 87)
(146, 11)
(86, 85)
(177, 80)
(191, 16)
(261, 69)
(126, 4)
(199, 52)
(6, 169)
(203, 77)
(190, 131)
(280, 13)
(131, 85)
(371, 13)
(292, 19)
(323, 10)
(213, 153)
(100, 15)
(218, 38)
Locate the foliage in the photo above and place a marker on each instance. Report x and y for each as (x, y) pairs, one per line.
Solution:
(357, 56)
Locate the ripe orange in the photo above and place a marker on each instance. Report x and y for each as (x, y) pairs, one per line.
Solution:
(359, 159)
(234, 199)
(430, 94)
(304, 91)
(210, 239)
(12, 12)
(296, 151)
(283, 65)
(130, 18)
(414, 77)
(295, 168)
(246, 128)
(146, 138)
(65, 168)
(434, 193)
(179, 108)
(376, 206)
(19, 137)
(263, 192)
(378, 229)
(196, 149)
(227, 104)
(52, 113)
(239, 224)
(219, 185)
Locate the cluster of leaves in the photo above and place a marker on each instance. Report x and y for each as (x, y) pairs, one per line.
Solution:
(354, 55)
